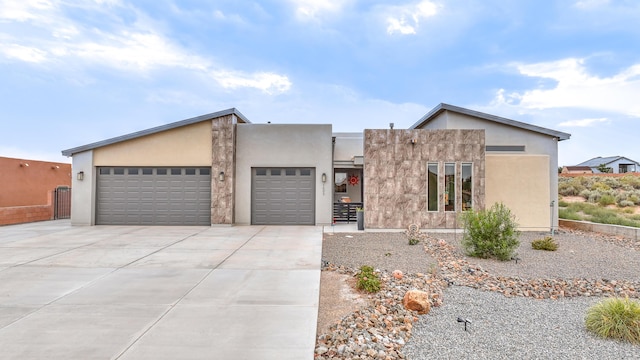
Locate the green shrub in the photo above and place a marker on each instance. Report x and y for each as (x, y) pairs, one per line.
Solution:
(413, 241)
(368, 280)
(568, 214)
(547, 244)
(490, 233)
(616, 318)
(606, 200)
(563, 203)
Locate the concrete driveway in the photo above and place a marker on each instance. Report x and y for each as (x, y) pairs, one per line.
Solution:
(134, 292)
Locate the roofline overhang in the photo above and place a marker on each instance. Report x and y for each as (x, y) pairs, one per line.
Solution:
(442, 107)
(154, 130)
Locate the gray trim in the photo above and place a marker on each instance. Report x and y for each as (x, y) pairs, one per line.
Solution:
(157, 129)
(507, 148)
(446, 107)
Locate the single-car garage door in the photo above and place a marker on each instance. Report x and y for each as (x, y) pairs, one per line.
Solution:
(283, 196)
(153, 196)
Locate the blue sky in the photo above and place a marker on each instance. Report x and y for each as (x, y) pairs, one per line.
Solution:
(75, 72)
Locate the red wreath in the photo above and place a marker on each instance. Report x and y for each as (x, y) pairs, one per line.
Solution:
(353, 180)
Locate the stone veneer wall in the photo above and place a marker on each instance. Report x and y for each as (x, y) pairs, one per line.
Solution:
(223, 159)
(395, 175)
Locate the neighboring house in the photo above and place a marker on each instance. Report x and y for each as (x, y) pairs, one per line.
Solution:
(221, 169)
(614, 164)
(28, 188)
(576, 170)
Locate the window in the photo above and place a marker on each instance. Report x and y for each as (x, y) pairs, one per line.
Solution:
(161, 171)
(261, 172)
(290, 172)
(147, 171)
(340, 182)
(449, 187)
(305, 172)
(105, 171)
(467, 186)
(275, 172)
(132, 171)
(189, 171)
(118, 171)
(205, 171)
(432, 187)
(176, 171)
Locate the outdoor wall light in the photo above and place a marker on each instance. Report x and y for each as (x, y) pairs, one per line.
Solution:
(221, 176)
(55, 167)
(414, 141)
(80, 176)
(324, 177)
(24, 164)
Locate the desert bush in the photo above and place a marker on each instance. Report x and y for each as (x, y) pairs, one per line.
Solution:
(490, 233)
(630, 180)
(625, 203)
(635, 198)
(547, 243)
(368, 280)
(606, 200)
(563, 203)
(616, 318)
(600, 186)
(586, 194)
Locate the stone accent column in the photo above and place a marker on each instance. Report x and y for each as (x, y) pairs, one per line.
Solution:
(223, 158)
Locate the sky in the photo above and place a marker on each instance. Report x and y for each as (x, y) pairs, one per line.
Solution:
(75, 72)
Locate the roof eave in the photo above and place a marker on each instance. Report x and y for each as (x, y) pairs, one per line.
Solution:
(443, 107)
(154, 130)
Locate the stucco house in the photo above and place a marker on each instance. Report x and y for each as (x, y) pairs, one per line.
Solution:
(220, 169)
(614, 164)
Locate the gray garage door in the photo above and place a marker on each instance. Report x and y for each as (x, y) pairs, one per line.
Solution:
(153, 196)
(283, 196)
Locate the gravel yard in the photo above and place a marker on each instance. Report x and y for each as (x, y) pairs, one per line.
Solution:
(532, 309)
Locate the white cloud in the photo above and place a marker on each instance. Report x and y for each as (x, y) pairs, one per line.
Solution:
(267, 82)
(583, 122)
(23, 53)
(406, 19)
(137, 48)
(24, 10)
(576, 87)
(590, 4)
(313, 9)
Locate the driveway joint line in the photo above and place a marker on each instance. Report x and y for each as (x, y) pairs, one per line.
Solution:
(172, 306)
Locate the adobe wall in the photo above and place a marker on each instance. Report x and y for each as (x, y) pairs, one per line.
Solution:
(29, 182)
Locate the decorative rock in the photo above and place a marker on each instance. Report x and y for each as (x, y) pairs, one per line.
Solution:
(397, 274)
(417, 300)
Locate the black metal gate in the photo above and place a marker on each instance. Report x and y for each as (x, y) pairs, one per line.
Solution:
(62, 203)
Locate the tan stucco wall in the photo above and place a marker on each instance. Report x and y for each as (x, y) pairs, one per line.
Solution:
(521, 182)
(499, 134)
(185, 146)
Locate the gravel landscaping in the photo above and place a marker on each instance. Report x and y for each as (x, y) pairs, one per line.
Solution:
(532, 309)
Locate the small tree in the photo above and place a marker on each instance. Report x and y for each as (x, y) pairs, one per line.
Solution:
(604, 169)
(490, 233)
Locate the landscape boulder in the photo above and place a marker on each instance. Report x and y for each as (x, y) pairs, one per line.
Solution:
(417, 300)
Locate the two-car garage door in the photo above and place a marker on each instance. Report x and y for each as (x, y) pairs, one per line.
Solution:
(153, 196)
